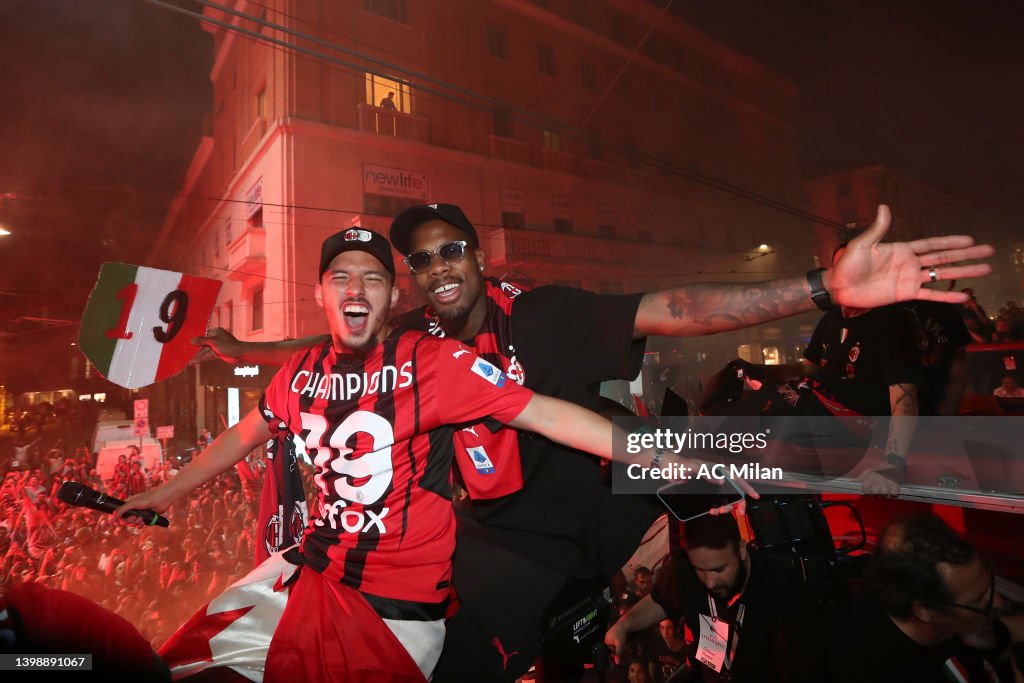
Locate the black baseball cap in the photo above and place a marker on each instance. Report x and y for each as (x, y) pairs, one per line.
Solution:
(356, 239)
(415, 216)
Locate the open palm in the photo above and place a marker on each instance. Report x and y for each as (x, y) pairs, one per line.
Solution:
(870, 273)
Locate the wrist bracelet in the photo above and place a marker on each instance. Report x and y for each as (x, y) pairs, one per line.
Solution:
(819, 295)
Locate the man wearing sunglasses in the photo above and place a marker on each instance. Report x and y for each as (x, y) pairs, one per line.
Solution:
(519, 546)
(931, 614)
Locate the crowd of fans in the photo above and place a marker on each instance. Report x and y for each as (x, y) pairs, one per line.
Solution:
(1007, 326)
(156, 578)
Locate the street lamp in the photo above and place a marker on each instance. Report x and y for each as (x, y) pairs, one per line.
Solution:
(4, 231)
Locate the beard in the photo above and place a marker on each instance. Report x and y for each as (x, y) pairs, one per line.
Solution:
(454, 318)
(727, 593)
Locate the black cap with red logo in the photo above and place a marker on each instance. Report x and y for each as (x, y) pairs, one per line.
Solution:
(357, 239)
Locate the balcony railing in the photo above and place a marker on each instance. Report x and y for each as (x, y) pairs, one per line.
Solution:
(602, 170)
(557, 160)
(517, 247)
(509, 149)
(393, 123)
(247, 255)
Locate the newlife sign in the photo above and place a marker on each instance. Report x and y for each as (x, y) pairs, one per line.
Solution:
(395, 182)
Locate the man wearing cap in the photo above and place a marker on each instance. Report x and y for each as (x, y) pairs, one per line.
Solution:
(363, 596)
(517, 548)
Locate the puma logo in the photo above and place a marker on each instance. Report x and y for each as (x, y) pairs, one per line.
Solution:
(471, 430)
(460, 352)
(501, 650)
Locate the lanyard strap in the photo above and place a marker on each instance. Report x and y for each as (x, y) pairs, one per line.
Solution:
(734, 637)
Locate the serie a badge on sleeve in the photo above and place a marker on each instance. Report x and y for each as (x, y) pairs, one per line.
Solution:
(138, 324)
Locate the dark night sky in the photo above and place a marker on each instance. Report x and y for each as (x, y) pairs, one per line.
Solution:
(104, 100)
(932, 89)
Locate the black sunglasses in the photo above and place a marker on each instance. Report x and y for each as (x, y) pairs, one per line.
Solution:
(989, 608)
(449, 252)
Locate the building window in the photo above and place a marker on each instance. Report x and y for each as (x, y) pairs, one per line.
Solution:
(607, 231)
(587, 75)
(257, 309)
(563, 225)
(256, 219)
(546, 59)
(386, 205)
(392, 9)
(227, 232)
(552, 140)
(216, 244)
(503, 123)
(261, 103)
(388, 93)
(497, 41)
(227, 318)
(511, 220)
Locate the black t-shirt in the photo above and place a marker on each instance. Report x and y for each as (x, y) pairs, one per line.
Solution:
(863, 645)
(940, 333)
(780, 638)
(568, 341)
(666, 661)
(862, 356)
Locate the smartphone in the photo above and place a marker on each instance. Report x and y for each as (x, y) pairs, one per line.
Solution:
(688, 500)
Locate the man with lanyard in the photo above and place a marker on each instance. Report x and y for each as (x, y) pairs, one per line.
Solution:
(751, 617)
(518, 548)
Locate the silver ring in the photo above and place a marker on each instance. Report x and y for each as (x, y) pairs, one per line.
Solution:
(932, 275)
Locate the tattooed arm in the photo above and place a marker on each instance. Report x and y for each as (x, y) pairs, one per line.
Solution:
(904, 409)
(709, 308)
(868, 274)
(886, 478)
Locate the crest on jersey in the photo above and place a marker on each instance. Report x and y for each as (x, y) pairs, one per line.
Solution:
(511, 291)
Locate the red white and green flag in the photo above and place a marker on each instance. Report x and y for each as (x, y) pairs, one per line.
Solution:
(139, 322)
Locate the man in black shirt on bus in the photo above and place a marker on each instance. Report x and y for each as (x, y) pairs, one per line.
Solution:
(517, 549)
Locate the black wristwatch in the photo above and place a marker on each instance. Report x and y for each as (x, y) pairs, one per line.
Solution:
(819, 295)
(896, 460)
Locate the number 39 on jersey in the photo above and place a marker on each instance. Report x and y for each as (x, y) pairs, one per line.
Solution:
(138, 325)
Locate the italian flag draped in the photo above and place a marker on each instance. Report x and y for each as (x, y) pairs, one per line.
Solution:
(139, 322)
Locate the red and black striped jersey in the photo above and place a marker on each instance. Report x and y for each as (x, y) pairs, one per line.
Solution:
(375, 428)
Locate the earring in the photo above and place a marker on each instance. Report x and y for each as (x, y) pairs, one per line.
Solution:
(481, 269)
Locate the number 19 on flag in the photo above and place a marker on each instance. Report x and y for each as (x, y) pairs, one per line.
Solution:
(138, 325)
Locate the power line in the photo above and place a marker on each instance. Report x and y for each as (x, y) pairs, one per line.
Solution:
(570, 131)
(611, 84)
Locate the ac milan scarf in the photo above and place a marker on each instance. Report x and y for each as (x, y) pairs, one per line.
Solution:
(283, 514)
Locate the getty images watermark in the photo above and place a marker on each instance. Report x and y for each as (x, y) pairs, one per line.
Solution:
(981, 458)
(693, 444)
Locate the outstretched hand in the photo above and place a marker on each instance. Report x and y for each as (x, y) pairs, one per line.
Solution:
(220, 343)
(871, 273)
